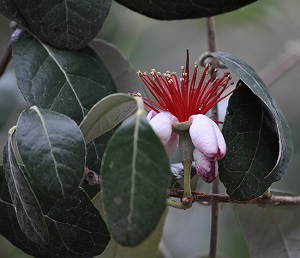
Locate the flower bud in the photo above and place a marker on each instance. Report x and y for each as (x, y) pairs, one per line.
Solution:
(206, 168)
(207, 137)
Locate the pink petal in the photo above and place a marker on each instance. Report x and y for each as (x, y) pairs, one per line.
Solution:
(172, 144)
(207, 137)
(162, 125)
(206, 168)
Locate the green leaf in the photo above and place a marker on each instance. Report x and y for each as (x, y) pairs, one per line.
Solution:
(69, 82)
(182, 9)
(76, 226)
(259, 160)
(147, 249)
(63, 24)
(52, 149)
(28, 211)
(270, 231)
(4, 192)
(9, 9)
(75, 229)
(106, 114)
(250, 164)
(124, 76)
(135, 179)
(95, 151)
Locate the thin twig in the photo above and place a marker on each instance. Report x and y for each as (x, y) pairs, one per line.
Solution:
(5, 59)
(211, 30)
(271, 200)
(284, 63)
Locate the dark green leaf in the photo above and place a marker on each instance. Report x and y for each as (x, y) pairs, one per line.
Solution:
(10, 10)
(4, 192)
(124, 76)
(247, 74)
(249, 167)
(271, 119)
(135, 179)
(147, 249)
(270, 231)
(28, 210)
(106, 114)
(76, 229)
(69, 82)
(52, 149)
(63, 24)
(10, 229)
(95, 150)
(183, 9)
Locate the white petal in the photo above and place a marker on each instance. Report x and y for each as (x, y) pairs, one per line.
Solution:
(207, 137)
(162, 125)
(220, 140)
(172, 144)
(206, 168)
(151, 114)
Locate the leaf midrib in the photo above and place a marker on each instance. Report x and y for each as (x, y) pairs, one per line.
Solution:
(50, 148)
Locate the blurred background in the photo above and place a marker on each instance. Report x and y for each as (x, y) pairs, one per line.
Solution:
(264, 34)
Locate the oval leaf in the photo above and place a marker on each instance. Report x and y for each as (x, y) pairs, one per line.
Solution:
(52, 149)
(147, 249)
(135, 178)
(76, 228)
(249, 167)
(69, 82)
(124, 76)
(270, 231)
(182, 9)
(273, 119)
(106, 114)
(28, 211)
(63, 24)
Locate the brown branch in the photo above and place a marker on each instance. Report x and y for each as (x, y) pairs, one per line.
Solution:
(271, 200)
(5, 59)
(284, 63)
(211, 30)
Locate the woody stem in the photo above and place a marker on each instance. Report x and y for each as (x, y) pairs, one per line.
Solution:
(211, 30)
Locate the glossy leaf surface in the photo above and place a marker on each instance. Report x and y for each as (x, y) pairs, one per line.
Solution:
(67, 24)
(28, 211)
(69, 82)
(270, 231)
(135, 179)
(106, 114)
(52, 149)
(183, 9)
(257, 135)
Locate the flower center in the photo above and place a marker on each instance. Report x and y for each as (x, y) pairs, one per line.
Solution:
(184, 97)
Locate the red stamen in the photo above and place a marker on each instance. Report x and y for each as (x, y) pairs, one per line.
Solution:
(184, 99)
